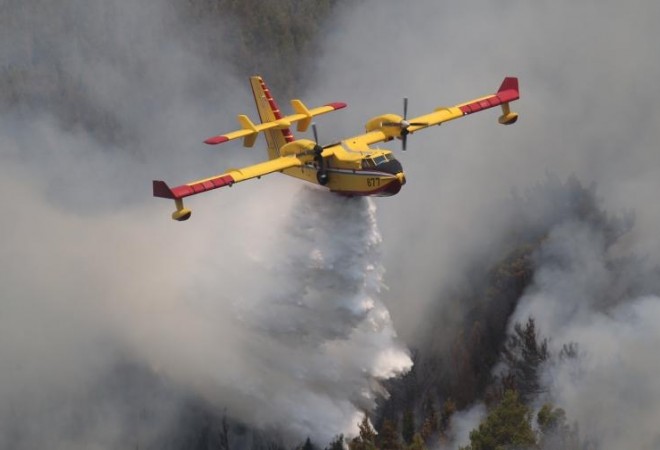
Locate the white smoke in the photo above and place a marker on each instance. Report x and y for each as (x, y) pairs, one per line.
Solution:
(325, 335)
(587, 293)
(588, 75)
(83, 268)
(269, 309)
(461, 425)
(265, 305)
(612, 390)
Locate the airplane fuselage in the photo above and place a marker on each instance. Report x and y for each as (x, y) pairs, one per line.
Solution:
(374, 172)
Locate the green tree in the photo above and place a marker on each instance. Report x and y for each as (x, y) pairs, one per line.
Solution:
(430, 424)
(408, 426)
(389, 436)
(308, 445)
(554, 432)
(366, 439)
(417, 443)
(507, 426)
(337, 443)
(524, 352)
(448, 409)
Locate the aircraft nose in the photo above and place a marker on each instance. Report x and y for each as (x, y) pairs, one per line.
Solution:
(401, 177)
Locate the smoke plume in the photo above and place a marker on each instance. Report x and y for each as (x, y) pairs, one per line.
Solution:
(265, 306)
(94, 274)
(587, 74)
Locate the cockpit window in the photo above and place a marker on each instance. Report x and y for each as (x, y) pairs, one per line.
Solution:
(368, 163)
(380, 160)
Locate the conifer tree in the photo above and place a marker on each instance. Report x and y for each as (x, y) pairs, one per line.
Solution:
(408, 426)
(417, 443)
(524, 352)
(554, 432)
(448, 409)
(308, 445)
(337, 443)
(507, 426)
(366, 440)
(389, 436)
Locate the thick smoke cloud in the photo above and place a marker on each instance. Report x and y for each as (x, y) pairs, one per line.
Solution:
(588, 75)
(587, 294)
(114, 317)
(611, 389)
(93, 273)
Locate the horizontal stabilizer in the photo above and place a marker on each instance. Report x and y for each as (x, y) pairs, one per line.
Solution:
(250, 130)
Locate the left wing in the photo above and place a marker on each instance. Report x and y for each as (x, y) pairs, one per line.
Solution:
(161, 189)
(378, 132)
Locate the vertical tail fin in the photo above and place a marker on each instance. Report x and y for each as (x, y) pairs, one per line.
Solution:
(268, 112)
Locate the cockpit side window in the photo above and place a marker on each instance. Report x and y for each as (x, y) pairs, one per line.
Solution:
(368, 163)
(380, 160)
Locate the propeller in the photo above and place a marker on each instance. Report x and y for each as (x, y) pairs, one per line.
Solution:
(322, 173)
(403, 124)
(317, 148)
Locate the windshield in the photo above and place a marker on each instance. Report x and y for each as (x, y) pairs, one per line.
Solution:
(368, 163)
(380, 160)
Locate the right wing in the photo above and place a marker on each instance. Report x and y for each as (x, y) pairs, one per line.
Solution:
(375, 132)
(161, 189)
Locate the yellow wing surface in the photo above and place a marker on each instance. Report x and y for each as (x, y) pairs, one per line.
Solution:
(249, 130)
(380, 129)
(161, 189)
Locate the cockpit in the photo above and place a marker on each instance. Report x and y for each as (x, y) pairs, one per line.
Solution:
(382, 163)
(370, 163)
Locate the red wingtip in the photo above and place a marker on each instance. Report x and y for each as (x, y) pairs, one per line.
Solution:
(215, 140)
(509, 84)
(337, 105)
(161, 189)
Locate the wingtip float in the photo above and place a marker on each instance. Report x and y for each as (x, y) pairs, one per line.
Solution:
(350, 167)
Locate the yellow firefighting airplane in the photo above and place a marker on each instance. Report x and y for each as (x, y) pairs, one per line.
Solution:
(350, 167)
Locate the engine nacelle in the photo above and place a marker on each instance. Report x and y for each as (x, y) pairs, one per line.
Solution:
(300, 148)
(376, 124)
